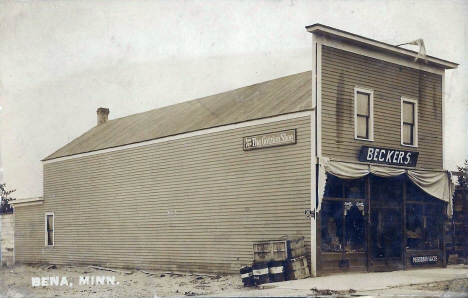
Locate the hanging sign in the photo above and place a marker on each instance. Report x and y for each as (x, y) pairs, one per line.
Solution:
(424, 260)
(280, 138)
(388, 156)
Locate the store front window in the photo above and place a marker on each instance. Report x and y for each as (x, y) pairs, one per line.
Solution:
(342, 220)
(381, 223)
(424, 216)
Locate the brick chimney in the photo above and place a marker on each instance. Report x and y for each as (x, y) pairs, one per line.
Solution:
(102, 115)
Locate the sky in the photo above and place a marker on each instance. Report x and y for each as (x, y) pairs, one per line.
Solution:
(61, 60)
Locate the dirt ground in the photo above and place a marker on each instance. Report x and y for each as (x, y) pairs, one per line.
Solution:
(457, 286)
(17, 282)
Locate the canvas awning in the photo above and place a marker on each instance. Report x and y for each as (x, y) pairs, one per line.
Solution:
(436, 183)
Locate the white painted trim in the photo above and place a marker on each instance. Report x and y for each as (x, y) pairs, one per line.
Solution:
(376, 54)
(14, 241)
(319, 98)
(295, 115)
(45, 229)
(416, 112)
(314, 72)
(392, 50)
(371, 113)
(443, 120)
(26, 201)
(313, 140)
(26, 204)
(313, 200)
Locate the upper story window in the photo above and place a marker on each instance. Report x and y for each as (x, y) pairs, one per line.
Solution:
(363, 114)
(409, 122)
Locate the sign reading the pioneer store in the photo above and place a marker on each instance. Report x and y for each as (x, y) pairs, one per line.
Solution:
(424, 260)
(274, 139)
(388, 156)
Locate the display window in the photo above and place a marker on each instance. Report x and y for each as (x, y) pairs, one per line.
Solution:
(383, 220)
(424, 215)
(387, 192)
(342, 220)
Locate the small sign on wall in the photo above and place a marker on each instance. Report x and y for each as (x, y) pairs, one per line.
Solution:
(424, 260)
(274, 139)
(388, 156)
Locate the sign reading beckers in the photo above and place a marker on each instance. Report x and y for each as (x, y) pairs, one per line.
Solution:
(388, 156)
(280, 138)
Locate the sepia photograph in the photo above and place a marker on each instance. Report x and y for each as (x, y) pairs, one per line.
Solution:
(263, 148)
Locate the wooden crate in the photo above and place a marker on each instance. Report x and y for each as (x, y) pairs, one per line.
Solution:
(296, 253)
(297, 274)
(297, 268)
(273, 250)
(296, 243)
(296, 248)
(279, 250)
(296, 263)
(261, 252)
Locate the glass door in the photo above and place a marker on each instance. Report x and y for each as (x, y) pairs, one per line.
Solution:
(386, 239)
(386, 224)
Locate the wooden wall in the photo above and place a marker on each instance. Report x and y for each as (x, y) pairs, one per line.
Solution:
(342, 71)
(7, 244)
(29, 233)
(193, 204)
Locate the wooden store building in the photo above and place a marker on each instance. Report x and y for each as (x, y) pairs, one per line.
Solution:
(356, 143)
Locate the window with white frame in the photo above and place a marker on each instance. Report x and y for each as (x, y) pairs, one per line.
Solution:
(49, 229)
(409, 122)
(363, 114)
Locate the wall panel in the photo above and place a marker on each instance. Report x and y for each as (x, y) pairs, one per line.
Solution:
(192, 204)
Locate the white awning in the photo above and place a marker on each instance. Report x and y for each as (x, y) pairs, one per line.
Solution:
(436, 183)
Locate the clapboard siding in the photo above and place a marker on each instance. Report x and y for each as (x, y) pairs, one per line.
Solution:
(193, 204)
(29, 233)
(342, 71)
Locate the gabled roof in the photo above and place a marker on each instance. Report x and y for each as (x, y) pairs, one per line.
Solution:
(381, 46)
(272, 98)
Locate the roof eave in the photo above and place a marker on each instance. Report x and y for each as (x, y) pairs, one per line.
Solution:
(26, 201)
(384, 47)
(52, 157)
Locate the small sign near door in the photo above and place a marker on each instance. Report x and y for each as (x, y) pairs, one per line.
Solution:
(388, 156)
(423, 260)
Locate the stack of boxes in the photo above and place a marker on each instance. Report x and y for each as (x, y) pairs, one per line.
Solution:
(296, 264)
(275, 261)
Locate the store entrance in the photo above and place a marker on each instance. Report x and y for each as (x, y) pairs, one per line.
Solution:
(386, 240)
(386, 224)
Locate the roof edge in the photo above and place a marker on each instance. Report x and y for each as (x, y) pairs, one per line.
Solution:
(26, 201)
(47, 159)
(50, 156)
(347, 36)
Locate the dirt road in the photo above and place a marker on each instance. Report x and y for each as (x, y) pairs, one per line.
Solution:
(18, 282)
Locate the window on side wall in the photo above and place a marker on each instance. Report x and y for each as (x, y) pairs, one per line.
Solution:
(409, 122)
(49, 229)
(363, 114)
